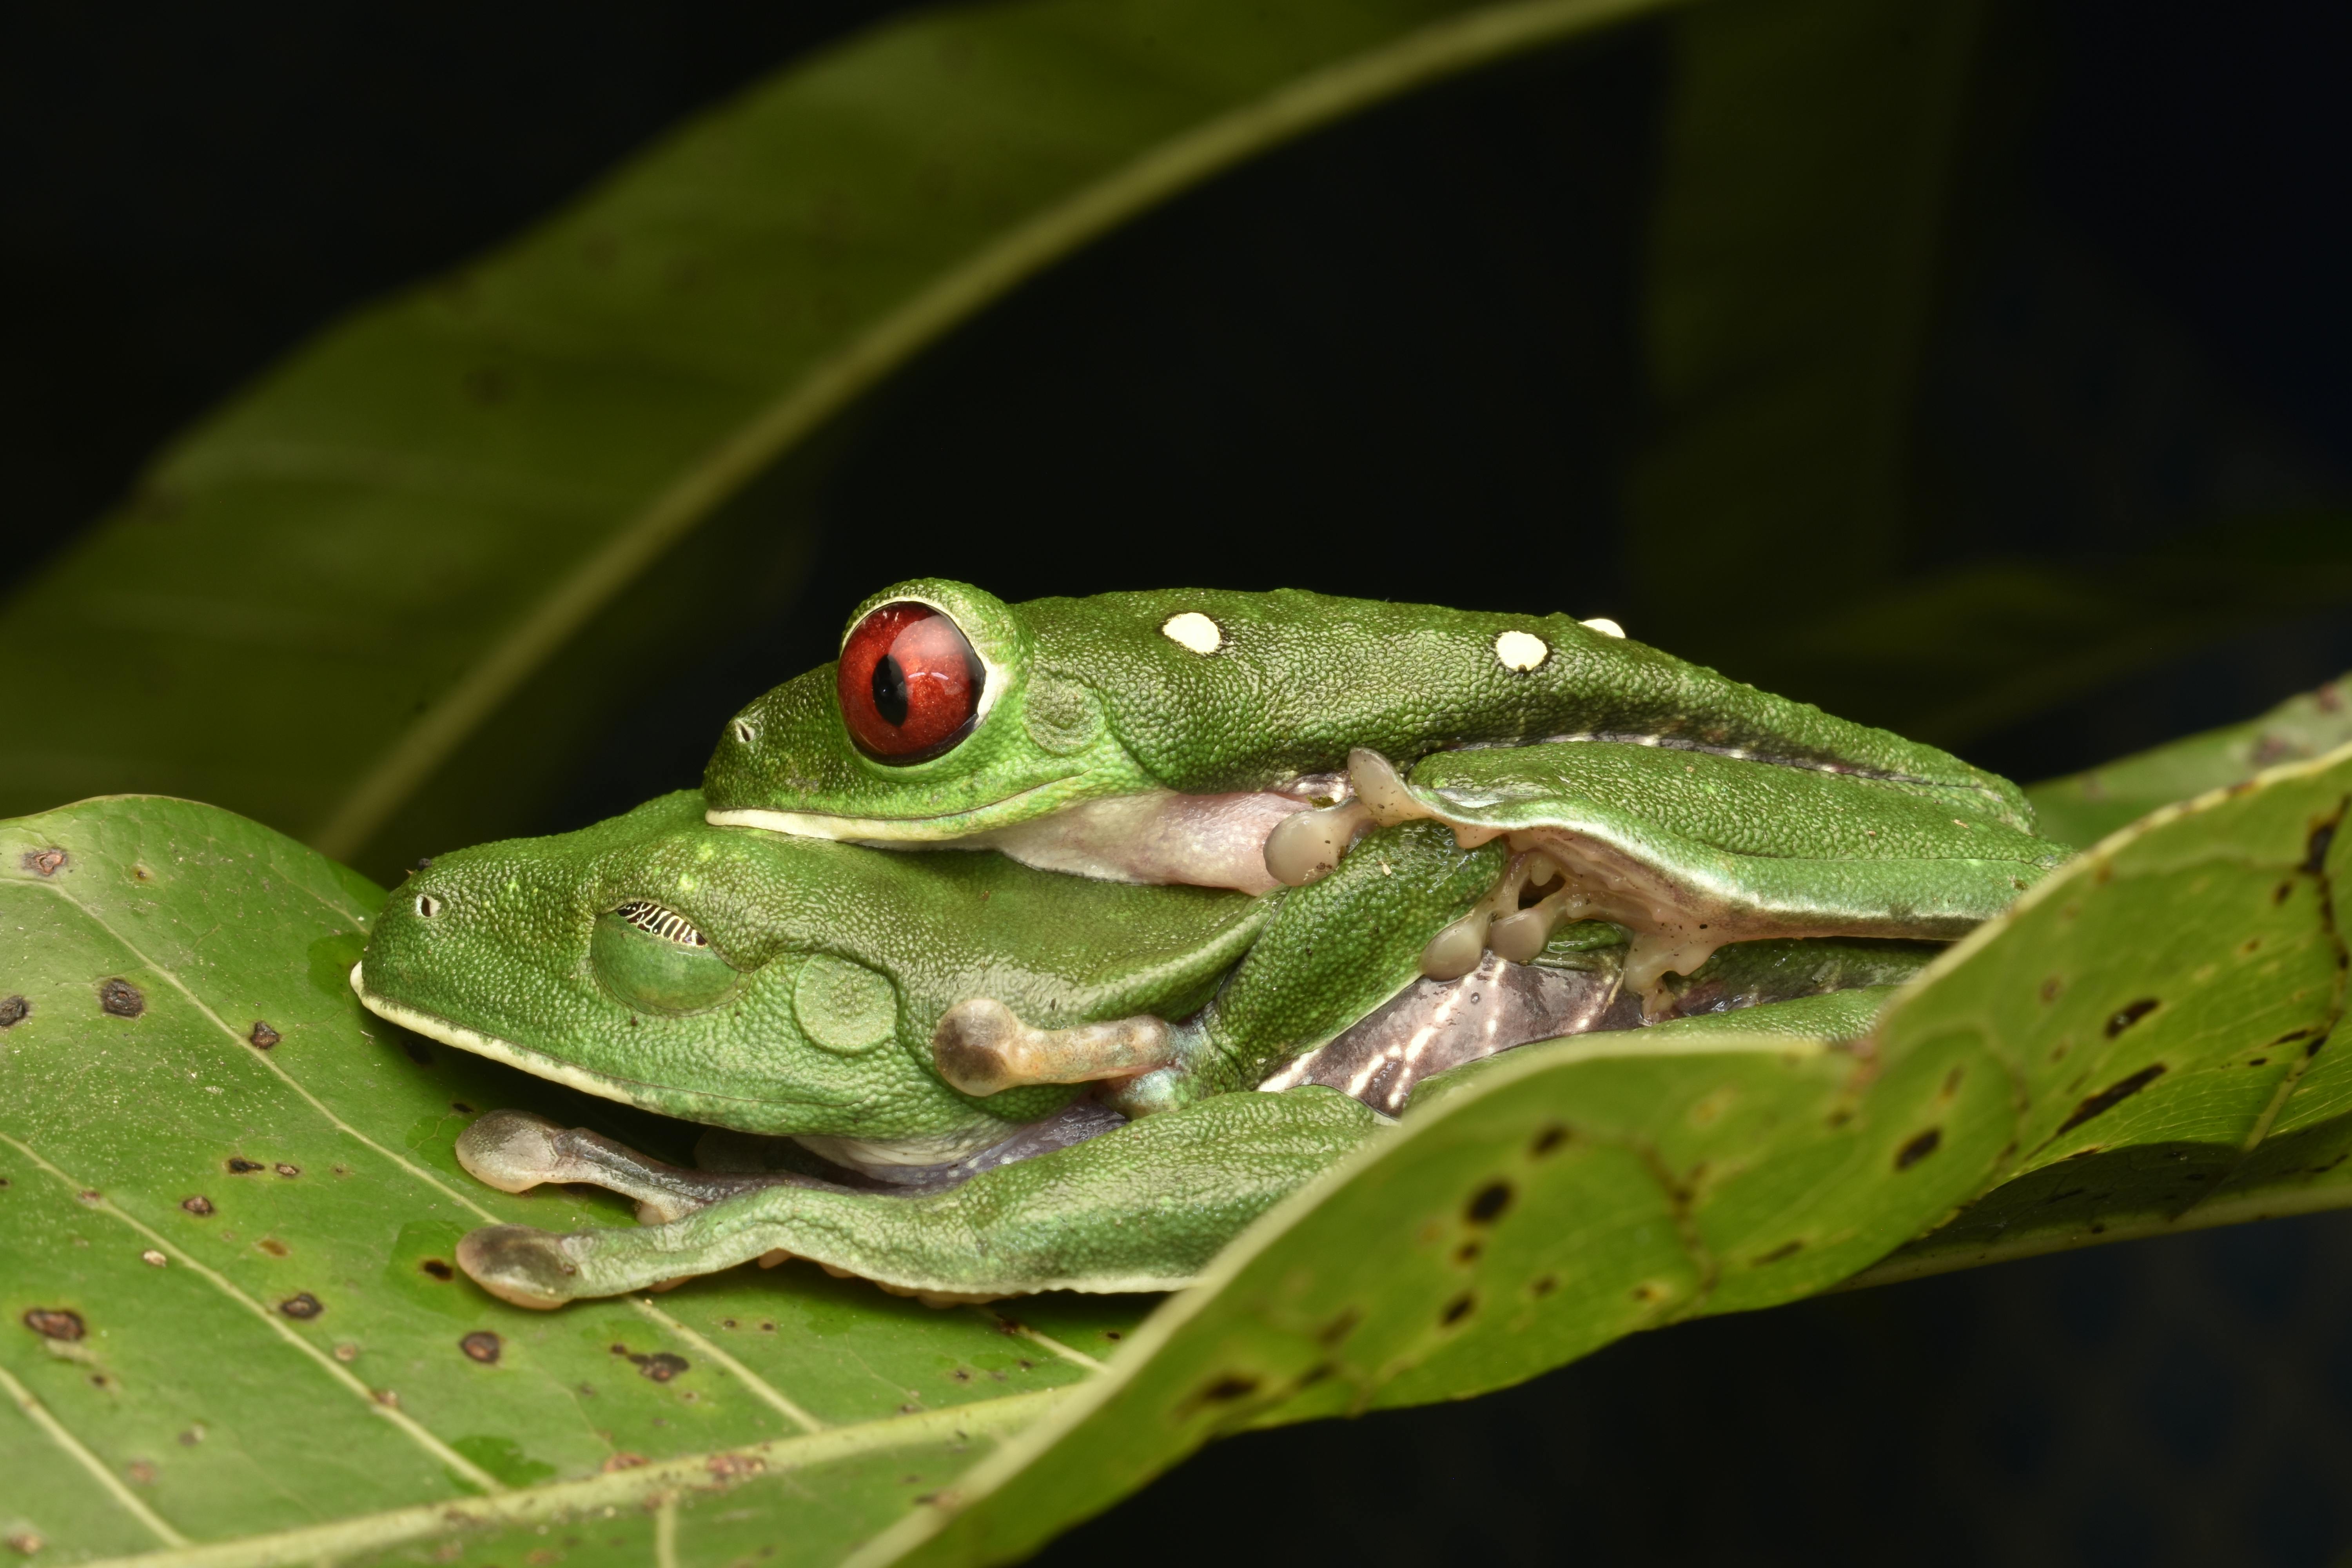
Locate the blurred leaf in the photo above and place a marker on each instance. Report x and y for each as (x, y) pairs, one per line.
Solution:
(1952, 656)
(2085, 807)
(381, 600)
(1793, 267)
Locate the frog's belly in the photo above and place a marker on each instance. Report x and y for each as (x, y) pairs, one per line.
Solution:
(1434, 1025)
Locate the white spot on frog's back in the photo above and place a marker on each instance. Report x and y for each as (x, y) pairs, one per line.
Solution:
(1604, 625)
(1192, 629)
(1522, 651)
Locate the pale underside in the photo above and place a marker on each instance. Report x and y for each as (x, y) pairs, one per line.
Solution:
(1257, 841)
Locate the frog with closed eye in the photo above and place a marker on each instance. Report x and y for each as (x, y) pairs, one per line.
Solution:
(961, 1076)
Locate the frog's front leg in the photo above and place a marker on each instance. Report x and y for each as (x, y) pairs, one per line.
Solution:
(1142, 1208)
(1337, 949)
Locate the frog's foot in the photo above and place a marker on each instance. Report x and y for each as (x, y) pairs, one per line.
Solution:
(981, 1047)
(542, 1270)
(515, 1151)
(1557, 874)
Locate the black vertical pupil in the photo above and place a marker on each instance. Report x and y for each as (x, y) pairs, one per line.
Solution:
(891, 691)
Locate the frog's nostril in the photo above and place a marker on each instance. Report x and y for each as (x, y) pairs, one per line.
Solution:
(744, 734)
(427, 905)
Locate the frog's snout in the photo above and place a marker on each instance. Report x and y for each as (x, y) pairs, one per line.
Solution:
(520, 1265)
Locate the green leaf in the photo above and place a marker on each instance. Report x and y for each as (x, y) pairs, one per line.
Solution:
(229, 1320)
(382, 599)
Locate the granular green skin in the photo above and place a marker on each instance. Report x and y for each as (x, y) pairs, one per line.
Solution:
(507, 954)
(1143, 1208)
(1093, 700)
(1339, 948)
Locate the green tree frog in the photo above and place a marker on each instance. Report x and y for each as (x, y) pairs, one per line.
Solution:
(1248, 740)
(961, 1076)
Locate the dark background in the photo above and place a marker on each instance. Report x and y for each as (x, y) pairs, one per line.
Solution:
(2144, 326)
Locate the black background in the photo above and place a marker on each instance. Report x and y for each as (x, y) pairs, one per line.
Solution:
(191, 191)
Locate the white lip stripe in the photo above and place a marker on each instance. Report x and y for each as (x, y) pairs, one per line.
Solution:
(531, 1062)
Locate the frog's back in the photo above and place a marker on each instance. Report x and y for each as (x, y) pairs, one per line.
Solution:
(1212, 690)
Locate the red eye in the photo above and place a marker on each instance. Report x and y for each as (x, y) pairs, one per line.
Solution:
(909, 684)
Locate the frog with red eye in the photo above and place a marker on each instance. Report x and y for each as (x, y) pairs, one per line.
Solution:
(1246, 741)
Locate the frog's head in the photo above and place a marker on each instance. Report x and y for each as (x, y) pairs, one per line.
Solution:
(721, 975)
(935, 724)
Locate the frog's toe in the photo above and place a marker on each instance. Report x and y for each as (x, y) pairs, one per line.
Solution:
(513, 1151)
(518, 1264)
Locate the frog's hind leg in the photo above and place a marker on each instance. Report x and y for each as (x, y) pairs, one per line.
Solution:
(1142, 1208)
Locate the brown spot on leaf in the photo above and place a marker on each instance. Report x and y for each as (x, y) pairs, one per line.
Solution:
(283, 1169)
(121, 998)
(263, 1037)
(1339, 1327)
(197, 1204)
(25, 1542)
(483, 1346)
(140, 1471)
(438, 1268)
(1224, 1390)
(13, 1010)
(1466, 1253)
(44, 862)
(1549, 1139)
(1787, 1250)
(55, 1323)
(2315, 858)
(347, 1352)
(272, 1245)
(416, 1049)
(1919, 1148)
(621, 1462)
(1543, 1286)
(2051, 988)
(302, 1306)
(661, 1366)
(1489, 1204)
(239, 1165)
(2112, 1096)
(1952, 1081)
(461, 1108)
(2282, 892)
(1456, 1310)
(2125, 1017)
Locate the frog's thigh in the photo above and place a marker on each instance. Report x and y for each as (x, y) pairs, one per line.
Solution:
(1143, 1208)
